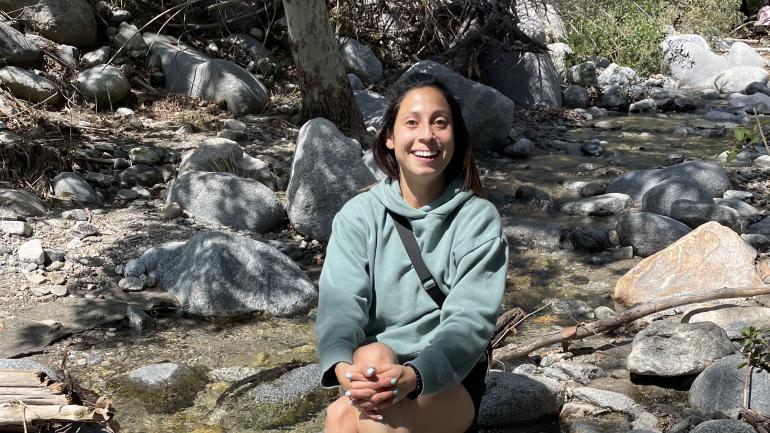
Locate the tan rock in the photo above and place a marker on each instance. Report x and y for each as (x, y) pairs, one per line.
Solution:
(710, 257)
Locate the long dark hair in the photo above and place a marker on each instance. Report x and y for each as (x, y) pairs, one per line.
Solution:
(463, 163)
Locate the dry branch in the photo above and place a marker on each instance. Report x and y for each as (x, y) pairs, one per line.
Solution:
(581, 331)
(16, 414)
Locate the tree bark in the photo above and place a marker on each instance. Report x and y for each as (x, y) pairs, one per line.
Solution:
(326, 91)
(512, 351)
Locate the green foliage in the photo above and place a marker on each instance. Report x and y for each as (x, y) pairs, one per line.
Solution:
(629, 32)
(755, 348)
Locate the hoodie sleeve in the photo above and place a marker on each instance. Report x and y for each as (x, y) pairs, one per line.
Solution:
(468, 316)
(344, 293)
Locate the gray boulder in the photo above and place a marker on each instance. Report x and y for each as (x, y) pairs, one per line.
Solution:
(372, 106)
(69, 22)
(747, 102)
(559, 52)
(489, 128)
(723, 426)
(709, 176)
(103, 83)
(576, 97)
(724, 116)
(732, 319)
(166, 386)
(514, 399)
(608, 399)
(226, 199)
(605, 204)
(223, 155)
(532, 234)
(762, 227)
(70, 185)
(370, 163)
(695, 214)
(581, 372)
(141, 174)
(743, 54)
(691, 60)
(614, 98)
(29, 86)
(326, 172)
(98, 56)
(222, 274)
(529, 79)
(190, 73)
(360, 60)
(15, 49)
(644, 106)
(615, 74)
(21, 202)
(677, 349)
(659, 198)
(355, 82)
(737, 78)
(522, 148)
(291, 388)
(157, 259)
(729, 381)
(129, 41)
(649, 233)
(583, 74)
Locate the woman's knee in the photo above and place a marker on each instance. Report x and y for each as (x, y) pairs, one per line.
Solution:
(339, 412)
(374, 354)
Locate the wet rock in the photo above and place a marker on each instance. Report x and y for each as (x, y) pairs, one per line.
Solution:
(589, 239)
(592, 148)
(289, 397)
(221, 274)
(669, 349)
(489, 128)
(223, 155)
(737, 78)
(695, 214)
(537, 235)
(21, 202)
(103, 83)
(576, 97)
(643, 106)
(359, 59)
(17, 228)
(581, 372)
(591, 189)
(659, 198)
(226, 199)
(137, 319)
(747, 102)
(731, 319)
(710, 257)
(327, 171)
(583, 74)
(29, 86)
(129, 41)
(32, 252)
(610, 125)
(141, 174)
(71, 22)
(98, 56)
(15, 49)
(372, 106)
(71, 186)
(606, 204)
(709, 176)
(649, 233)
(725, 377)
(615, 74)
(529, 79)
(723, 426)
(723, 116)
(165, 387)
(514, 399)
(608, 399)
(522, 148)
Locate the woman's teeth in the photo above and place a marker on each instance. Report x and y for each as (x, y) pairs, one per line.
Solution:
(425, 153)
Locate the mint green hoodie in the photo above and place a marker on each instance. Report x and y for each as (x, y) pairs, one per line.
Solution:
(370, 292)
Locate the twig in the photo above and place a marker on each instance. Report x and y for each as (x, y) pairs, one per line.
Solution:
(761, 132)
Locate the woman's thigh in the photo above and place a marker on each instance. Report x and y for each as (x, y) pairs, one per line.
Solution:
(449, 411)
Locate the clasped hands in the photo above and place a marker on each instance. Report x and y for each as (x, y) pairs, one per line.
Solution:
(373, 389)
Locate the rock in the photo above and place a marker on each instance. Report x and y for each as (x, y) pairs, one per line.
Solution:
(522, 148)
(223, 155)
(129, 41)
(190, 73)
(137, 319)
(649, 233)
(134, 268)
(359, 59)
(171, 211)
(738, 194)
(608, 399)
(489, 128)
(762, 161)
(592, 147)
(603, 312)
(737, 78)
(226, 199)
(29, 86)
(723, 426)
(745, 210)
(372, 106)
(606, 204)
(574, 308)
(757, 87)
(645, 422)
(559, 52)
(68, 55)
(123, 112)
(131, 284)
(15, 49)
(643, 106)
(725, 377)
(534, 234)
(514, 399)
(529, 79)
(581, 372)
(371, 164)
(355, 82)
(659, 198)
(18, 228)
(589, 239)
(709, 176)
(610, 125)
(691, 60)
(614, 98)
(583, 74)
(27, 364)
(290, 388)
(710, 257)
(731, 319)
(233, 135)
(758, 241)
(326, 172)
(165, 387)
(221, 274)
(576, 97)
(82, 229)
(529, 20)
(98, 56)
(104, 84)
(32, 252)
(695, 214)
(71, 186)
(669, 349)
(741, 54)
(144, 155)
(21, 202)
(72, 22)
(615, 74)
(141, 174)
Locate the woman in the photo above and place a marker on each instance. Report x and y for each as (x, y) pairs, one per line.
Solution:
(403, 363)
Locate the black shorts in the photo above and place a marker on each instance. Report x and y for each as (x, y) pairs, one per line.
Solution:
(475, 385)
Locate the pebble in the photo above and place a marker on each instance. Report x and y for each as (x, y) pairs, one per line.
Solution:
(83, 229)
(131, 284)
(59, 290)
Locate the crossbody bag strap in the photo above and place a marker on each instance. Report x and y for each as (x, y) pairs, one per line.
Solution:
(428, 283)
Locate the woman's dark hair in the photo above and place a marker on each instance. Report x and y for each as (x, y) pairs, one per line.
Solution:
(463, 163)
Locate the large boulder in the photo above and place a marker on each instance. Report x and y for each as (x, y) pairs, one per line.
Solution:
(15, 49)
(190, 73)
(695, 214)
(719, 388)
(29, 86)
(559, 52)
(103, 83)
(372, 106)
(21, 202)
(227, 199)
(223, 155)
(732, 318)
(737, 78)
(221, 274)
(582, 74)
(659, 198)
(576, 97)
(529, 79)
(669, 349)
(709, 176)
(360, 60)
(129, 40)
(691, 60)
(70, 22)
(513, 399)
(649, 233)
(488, 128)
(723, 426)
(743, 54)
(710, 257)
(616, 75)
(71, 186)
(327, 171)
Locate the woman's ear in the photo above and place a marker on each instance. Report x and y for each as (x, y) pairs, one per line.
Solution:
(389, 140)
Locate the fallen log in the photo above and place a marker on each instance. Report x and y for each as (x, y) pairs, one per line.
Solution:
(583, 330)
(13, 378)
(59, 400)
(17, 414)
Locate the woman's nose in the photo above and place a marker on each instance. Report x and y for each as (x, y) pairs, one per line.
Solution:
(426, 132)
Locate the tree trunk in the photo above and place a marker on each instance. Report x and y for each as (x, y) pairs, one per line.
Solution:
(326, 91)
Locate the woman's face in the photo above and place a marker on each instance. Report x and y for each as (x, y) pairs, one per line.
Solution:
(422, 137)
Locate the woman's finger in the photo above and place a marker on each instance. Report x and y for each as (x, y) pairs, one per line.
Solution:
(391, 396)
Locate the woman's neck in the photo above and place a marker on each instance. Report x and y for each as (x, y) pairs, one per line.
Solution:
(418, 194)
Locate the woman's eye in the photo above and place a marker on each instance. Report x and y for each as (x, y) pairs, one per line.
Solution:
(411, 122)
(441, 123)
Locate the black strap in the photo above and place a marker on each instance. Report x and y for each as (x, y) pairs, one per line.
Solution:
(404, 229)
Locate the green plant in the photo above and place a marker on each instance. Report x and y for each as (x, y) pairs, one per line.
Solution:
(755, 347)
(747, 137)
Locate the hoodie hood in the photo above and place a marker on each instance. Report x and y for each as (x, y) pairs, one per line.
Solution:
(388, 192)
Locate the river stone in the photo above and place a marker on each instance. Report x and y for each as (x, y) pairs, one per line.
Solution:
(69, 22)
(129, 41)
(659, 198)
(157, 259)
(709, 176)
(695, 214)
(737, 78)
(29, 86)
(15, 49)
(573, 308)
(581, 372)
(745, 210)
(600, 205)
(141, 174)
(725, 377)
(649, 233)
(359, 59)
(32, 252)
(590, 239)
(614, 98)
(583, 74)
(612, 400)
(221, 154)
(522, 148)
(643, 106)
(226, 199)
(21, 202)
(615, 74)
(668, 349)
(489, 128)
(691, 61)
(143, 155)
(533, 234)
(710, 257)
(326, 172)
(355, 82)
(723, 426)
(96, 57)
(71, 186)
(732, 318)
(514, 399)
(18, 228)
(103, 83)
(372, 106)
(222, 274)
(188, 72)
(529, 79)
(724, 116)
(165, 387)
(576, 97)
(27, 364)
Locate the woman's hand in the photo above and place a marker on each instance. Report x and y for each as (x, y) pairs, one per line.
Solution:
(385, 387)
